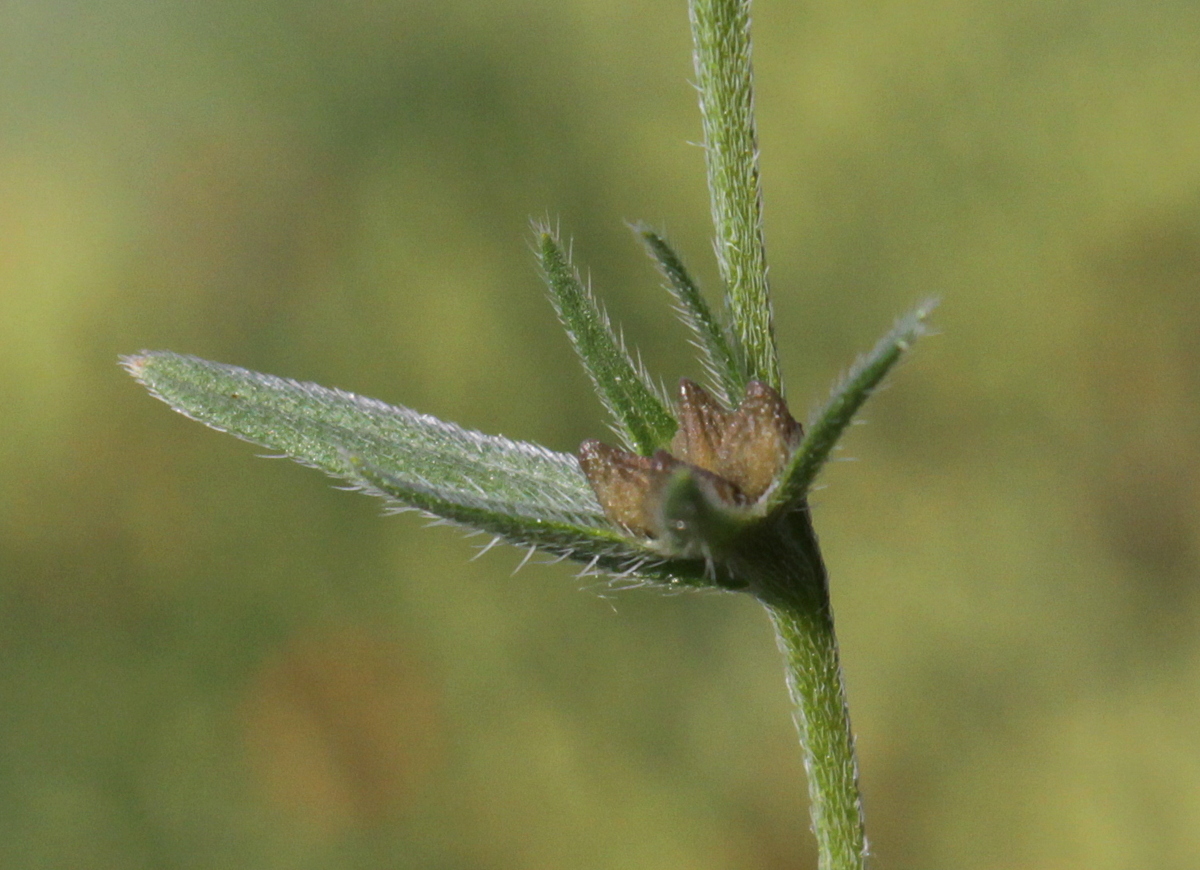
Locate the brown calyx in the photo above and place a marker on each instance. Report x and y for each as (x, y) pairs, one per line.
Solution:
(738, 453)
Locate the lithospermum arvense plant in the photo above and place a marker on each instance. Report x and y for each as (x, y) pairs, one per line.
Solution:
(707, 491)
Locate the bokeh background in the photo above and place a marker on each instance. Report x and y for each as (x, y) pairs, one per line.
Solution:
(212, 660)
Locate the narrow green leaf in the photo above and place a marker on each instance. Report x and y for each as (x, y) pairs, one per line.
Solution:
(520, 492)
(643, 417)
(721, 34)
(721, 353)
(847, 396)
(322, 428)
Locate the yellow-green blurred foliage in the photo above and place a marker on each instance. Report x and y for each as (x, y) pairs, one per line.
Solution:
(211, 660)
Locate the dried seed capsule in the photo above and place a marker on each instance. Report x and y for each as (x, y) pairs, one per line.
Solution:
(732, 458)
(758, 440)
(702, 423)
(621, 481)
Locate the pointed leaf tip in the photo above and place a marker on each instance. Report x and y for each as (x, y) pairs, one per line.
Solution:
(134, 363)
(321, 427)
(720, 349)
(846, 398)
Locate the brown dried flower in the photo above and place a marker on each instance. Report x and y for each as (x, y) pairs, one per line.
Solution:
(735, 455)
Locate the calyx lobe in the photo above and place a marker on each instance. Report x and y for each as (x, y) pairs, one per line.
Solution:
(736, 456)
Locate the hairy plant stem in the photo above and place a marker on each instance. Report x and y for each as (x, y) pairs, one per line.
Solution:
(721, 35)
(806, 638)
(782, 564)
(786, 571)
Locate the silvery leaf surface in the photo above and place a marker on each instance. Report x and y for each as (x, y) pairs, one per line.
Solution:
(521, 492)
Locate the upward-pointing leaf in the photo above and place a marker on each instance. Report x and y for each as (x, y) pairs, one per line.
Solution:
(846, 397)
(642, 417)
(722, 353)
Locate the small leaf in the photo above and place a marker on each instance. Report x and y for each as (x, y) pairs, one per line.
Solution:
(643, 418)
(847, 396)
(721, 352)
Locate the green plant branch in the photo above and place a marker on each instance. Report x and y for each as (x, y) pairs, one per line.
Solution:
(721, 34)
(780, 563)
(717, 501)
(804, 631)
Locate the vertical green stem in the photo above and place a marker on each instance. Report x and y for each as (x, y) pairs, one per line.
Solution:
(782, 564)
(789, 577)
(815, 679)
(721, 33)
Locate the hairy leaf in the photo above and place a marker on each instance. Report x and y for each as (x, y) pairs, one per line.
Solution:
(573, 536)
(721, 353)
(846, 397)
(322, 427)
(643, 418)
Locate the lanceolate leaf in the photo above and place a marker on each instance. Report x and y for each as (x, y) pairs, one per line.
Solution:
(324, 428)
(520, 492)
(845, 399)
(721, 352)
(642, 416)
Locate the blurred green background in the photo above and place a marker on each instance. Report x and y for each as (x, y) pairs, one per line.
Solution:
(211, 660)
